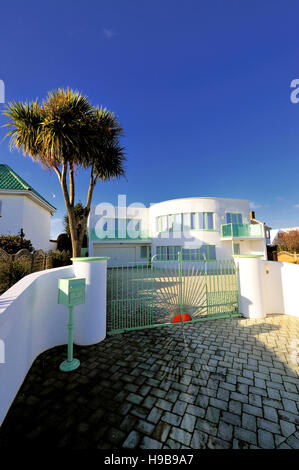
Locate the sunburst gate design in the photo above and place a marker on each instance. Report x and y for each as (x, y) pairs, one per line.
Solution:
(150, 295)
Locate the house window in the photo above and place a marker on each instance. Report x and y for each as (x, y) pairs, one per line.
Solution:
(236, 248)
(194, 220)
(207, 252)
(143, 252)
(170, 223)
(122, 228)
(209, 220)
(232, 218)
(206, 220)
(186, 221)
(177, 222)
(190, 254)
(170, 253)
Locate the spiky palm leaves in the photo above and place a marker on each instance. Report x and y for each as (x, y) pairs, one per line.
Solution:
(64, 132)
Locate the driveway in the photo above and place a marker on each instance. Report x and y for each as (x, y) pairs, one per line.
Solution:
(229, 383)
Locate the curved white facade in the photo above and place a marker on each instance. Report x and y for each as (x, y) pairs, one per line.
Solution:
(210, 228)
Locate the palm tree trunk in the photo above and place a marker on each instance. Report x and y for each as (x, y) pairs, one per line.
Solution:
(76, 248)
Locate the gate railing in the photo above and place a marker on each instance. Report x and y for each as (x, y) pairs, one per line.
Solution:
(160, 293)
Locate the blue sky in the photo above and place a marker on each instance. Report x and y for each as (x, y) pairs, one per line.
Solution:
(202, 89)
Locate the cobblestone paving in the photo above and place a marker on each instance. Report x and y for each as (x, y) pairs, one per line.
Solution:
(219, 384)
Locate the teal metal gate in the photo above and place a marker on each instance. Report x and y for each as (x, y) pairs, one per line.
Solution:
(165, 293)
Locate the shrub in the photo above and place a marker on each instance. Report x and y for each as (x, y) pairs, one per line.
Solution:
(12, 272)
(289, 241)
(18, 270)
(60, 258)
(14, 243)
(64, 242)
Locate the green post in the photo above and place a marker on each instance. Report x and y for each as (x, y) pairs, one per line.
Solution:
(180, 256)
(71, 363)
(71, 292)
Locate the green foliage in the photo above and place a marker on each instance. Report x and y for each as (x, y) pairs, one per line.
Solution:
(12, 272)
(14, 243)
(66, 129)
(289, 241)
(64, 242)
(79, 212)
(65, 132)
(18, 270)
(60, 258)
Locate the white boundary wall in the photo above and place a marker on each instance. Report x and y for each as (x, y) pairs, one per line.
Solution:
(31, 321)
(267, 287)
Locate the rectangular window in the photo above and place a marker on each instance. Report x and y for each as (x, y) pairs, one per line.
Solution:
(194, 254)
(143, 252)
(163, 253)
(210, 220)
(212, 252)
(207, 252)
(170, 223)
(193, 221)
(204, 253)
(177, 224)
(236, 248)
(206, 220)
(201, 219)
(186, 221)
(164, 223)
(232, 218)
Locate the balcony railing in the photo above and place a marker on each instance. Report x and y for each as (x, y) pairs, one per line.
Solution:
(117, 235)
(242, 231)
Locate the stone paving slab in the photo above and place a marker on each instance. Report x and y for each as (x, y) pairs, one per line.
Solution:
(219, 384)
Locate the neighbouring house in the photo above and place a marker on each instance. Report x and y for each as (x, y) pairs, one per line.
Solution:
(21, 207)
(203, 228)
(267, 229)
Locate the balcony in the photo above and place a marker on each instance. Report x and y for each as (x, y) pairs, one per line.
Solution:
(117, 235)
(242, 231)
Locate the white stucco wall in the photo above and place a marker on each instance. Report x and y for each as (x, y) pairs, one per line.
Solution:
(31, 321)
(11, 220)
(22, 212)
(36, 225)
(267, 287)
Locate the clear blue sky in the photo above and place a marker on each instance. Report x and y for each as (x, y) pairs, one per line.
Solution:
(202, 89)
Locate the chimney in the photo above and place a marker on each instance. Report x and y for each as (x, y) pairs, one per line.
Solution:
(252, 215)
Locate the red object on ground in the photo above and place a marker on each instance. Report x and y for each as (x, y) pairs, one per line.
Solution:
(177, 318)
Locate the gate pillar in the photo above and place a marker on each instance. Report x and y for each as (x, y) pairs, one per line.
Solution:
(90, 318)
(251, 298)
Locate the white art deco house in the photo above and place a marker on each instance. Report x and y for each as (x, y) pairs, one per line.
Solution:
(22, 207)
(204, 228)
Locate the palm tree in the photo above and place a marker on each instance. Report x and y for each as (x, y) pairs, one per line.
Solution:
(65, 132)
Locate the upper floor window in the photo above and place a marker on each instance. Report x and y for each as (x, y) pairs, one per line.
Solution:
(122, 228)
(205, 221)
(185, 221)
(233, 218)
